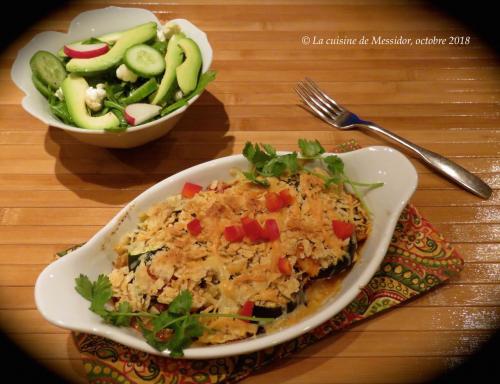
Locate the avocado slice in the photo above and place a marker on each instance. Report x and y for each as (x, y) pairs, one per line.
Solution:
(74, 88)
(188, 71)
(113, 57)
(112, 37)
(173, 58)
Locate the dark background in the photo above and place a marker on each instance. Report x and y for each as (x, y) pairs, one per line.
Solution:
(480, 17)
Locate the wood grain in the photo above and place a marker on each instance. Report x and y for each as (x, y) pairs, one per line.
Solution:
(55, 191)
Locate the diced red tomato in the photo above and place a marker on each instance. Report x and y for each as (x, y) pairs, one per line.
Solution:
(247, 308)
(271, 230)
(190, 189)
(286, 197)
(253, 229)
(284, 266)
(342, 229)
(194, 227)
(234, 233)
(273, 202)
(246, 220)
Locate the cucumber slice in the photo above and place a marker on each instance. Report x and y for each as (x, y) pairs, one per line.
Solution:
(42, 88)
(142, 92)
(144, 60)
(48, 69)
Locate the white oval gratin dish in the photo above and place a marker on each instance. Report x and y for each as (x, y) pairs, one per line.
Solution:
(60, 304)
(95, 23)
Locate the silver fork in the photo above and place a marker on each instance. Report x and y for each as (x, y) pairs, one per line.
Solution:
(336, 115)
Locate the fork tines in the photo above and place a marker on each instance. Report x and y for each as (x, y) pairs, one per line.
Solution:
(317, 100)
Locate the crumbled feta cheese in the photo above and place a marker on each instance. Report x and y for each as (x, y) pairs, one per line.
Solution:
(94, 97)
(178, 95)
(101, 90)
(59, 94)
(170, 29)
(125, 74)
(160, 34)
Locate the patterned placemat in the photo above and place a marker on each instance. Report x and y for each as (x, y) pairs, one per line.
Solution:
(418, 259)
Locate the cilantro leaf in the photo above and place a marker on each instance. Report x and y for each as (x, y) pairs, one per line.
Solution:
(101, 294)
(291, 162)
(176, 319)
(181, 305)
(84, 287)
(151, 338)
(310, 149)
(162, 320)
(253, 178)
(249, 151)
(274, 167)
(270, 150)
(266, 162)
(120, 317)
(334, 164)
(184, 333)
(193, 328)
(336, 179)
(98, 293)
(256, 155)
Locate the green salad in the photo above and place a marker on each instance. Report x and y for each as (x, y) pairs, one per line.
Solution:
(121, 79)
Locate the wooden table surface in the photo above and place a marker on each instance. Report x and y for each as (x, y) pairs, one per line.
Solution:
(55, 191)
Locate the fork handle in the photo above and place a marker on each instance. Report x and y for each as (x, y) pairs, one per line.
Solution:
(445, 166)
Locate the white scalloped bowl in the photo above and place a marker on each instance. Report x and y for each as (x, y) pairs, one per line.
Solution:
(60, 304)
(94, 23)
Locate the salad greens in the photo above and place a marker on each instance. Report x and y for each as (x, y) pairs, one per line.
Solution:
(90, 83)
(59, 109)
(205, 79)
(181, 326)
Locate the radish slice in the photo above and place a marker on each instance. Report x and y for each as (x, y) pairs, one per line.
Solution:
(85, 51)
(138, 113)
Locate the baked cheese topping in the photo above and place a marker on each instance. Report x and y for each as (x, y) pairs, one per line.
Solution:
(236, 243)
